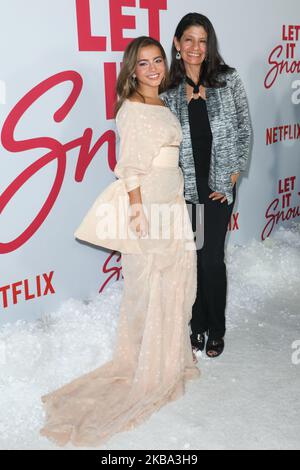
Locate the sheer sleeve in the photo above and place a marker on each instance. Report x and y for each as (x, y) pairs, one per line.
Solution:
(138, 144)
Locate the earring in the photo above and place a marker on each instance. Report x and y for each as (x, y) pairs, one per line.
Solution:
(178, 55)
(133, 79)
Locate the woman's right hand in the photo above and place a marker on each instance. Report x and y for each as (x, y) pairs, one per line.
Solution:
(138, 221)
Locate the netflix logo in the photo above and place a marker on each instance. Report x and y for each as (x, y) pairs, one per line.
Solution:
(26, 289)
(282, 133)
(234, 222)
(281, 208)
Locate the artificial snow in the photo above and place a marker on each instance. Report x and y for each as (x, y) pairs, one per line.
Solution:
(248, 398)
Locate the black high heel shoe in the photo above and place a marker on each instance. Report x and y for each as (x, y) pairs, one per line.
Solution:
(214, 347)
(198, 342)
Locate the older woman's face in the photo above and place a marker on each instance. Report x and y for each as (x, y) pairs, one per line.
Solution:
(192, 45)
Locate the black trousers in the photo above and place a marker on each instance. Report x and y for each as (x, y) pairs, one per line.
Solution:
(209, 308)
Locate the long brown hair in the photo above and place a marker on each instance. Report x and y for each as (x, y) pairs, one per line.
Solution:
(214, 63)
(126, 85)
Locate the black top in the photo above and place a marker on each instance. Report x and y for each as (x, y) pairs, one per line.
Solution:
(201, 136)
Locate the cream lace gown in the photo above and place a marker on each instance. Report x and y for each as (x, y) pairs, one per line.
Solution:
(153, 357)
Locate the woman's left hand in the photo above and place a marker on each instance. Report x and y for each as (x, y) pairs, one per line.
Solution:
(234, 178)
(217, 197)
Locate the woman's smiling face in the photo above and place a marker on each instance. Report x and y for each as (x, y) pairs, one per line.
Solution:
(192, 45)
(150, 69)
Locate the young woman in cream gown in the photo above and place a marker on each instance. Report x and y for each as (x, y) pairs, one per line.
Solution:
(153, 357)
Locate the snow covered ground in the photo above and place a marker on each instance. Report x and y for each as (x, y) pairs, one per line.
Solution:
(246, 399)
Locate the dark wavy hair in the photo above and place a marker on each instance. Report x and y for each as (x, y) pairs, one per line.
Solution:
(214, 63)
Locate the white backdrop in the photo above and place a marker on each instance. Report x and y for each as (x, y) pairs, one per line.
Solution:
(49, 48)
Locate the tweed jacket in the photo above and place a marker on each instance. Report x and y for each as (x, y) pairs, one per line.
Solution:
(229, 119)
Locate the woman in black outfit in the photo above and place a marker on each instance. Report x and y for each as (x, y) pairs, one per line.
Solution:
(209, 307)
(209, 99)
